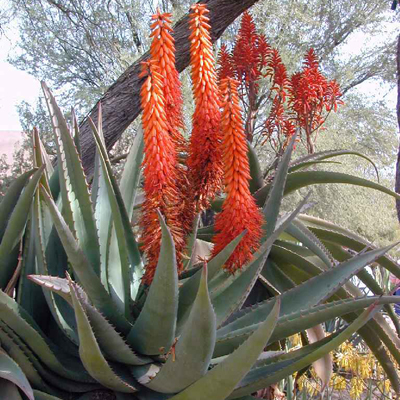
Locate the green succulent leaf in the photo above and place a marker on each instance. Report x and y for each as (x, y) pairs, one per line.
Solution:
(82, 268)
(298, 180)
(300, 232)
(11, 372)
(17, 319)
(51, 259)
(90, 353)
(185, 366)
(191, 244)
(299, 321)
(264, 376)
(10, 199)
(9, 246)
(256, 178)
(123, 248)
(189, 288)
(230, 291)
(44, 396)
(273, 203)
(311, 159)
(74, 186)
(310, 293)
(218, 383)
(154, 330)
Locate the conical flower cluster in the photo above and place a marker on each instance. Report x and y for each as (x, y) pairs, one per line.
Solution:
(162, 51)
(239, 211)
(159, 171)
(204, 161)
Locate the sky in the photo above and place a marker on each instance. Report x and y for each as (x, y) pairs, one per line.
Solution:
(15, 86)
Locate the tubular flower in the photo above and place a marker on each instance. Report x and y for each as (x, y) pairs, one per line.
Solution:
(311, 94)
(159, 172)
(239, 211)
(204, 161)
(251, 52)
(162, 51)
(225, 62)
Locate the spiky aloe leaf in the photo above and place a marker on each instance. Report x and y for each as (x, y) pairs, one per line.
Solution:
(218, 383)
(29, 295)
(76, 197)
(16, 318)
(154, 330)
(234, 289)
(40, 157)
(191, 244)
(44, 396)
(11, 198)
(123, 246)
(109, 340)
(60, 384)
(82, 268)
(298, 180)
(10, 371)
(9, 245)
(308, 294)
(256, 178)
(264, 376)
(9, 391)
(185, 366)
(18, 355)
(272, 205)
(102, 212)
(311, 159)
(329, 232)
(299, 321)
(300, 232)
(190, 287)
(131, 174)
(90, 352)
(51, 259)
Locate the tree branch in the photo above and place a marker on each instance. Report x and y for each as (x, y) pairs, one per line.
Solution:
(397, 183)
(121, 102)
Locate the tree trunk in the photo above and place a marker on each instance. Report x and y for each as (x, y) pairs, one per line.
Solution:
(397, 184)
(121, 102)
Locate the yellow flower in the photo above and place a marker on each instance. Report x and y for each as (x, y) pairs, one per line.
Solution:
(338, 382)
(384, 386)
(295, 340)
(357, 388)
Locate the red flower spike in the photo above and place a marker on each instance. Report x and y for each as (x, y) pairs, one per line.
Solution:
(159, 170)
(251, 52)
(204, 161)
(239, 211)
(162, 51)
(225, 62)
(312, 94)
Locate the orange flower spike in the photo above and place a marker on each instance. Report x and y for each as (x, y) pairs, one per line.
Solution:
(204, 162)
(239, 211)
(162, 50)
(159, 170)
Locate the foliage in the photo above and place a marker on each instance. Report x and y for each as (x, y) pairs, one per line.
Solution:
(198, 331)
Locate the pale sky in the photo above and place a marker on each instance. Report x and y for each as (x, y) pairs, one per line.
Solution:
(15, 86)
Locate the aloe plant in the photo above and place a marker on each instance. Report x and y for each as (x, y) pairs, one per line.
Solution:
(96, 327)
(87, 310)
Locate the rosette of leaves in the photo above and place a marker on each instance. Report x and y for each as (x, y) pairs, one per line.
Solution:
(80, 324)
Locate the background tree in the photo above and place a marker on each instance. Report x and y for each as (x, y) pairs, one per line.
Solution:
(81, 48)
